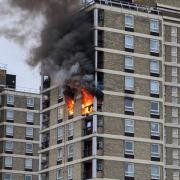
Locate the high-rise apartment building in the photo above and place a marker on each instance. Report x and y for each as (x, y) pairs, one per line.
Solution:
(132, 130)
(19, 130)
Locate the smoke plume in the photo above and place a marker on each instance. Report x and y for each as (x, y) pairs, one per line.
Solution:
(66, 49)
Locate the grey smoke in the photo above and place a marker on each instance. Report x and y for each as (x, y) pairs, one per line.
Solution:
(65, 51)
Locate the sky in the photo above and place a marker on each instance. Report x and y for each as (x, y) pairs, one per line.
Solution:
(17, 37)
(14, 56)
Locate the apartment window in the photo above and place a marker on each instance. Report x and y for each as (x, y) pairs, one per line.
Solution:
(129, 42)
(129, 147)
(29, 148)
(174, 71)
(129, 21)
(155, 150)
(175, 132)
(174, 54)
(10, 99)
(70, 150)
(28, 177)
(30, 102)
(10, 115)
(129, 83)
(175, 157)
(174, 91)
(28, 163)
(129, 126)
(100, 143)
(30, 117)
(129, 104)
(8, 161)
(129, 62)
(154, 87)
(60, 113)
(59, 174)
(99, 165)
(175, 174)
(70, 129)
(154, 25)
(155, 107)
(9, 146)
(154, 66)
(154, 45)
(129, 169)
(155, 172)
(174, 34)
(174, 112)
(29, 132)
(9, 130)
(7, 177)
(70, 172)
(155, 129)
(60, 132)
(59, 154)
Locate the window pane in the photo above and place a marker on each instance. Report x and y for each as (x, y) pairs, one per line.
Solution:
(9, 130)
(129, 83)
(30, 117)
(60, 132)
(70, 130)
(128, 105)
(154, 25)
(29, 148)
(30, 102)
(129, 125)
(9, 146)
(154, 129)
(155, 107)
(154, 87)
(155, 172)
(154, 66)
(129, 42)
(8, 161)
(129, 147)
(129, 21)
(29, 132)
(154, 45)
(28, 163)
(59, 174)
(10, 99)
(28, 177)
(129, 62)
(10, 114)
(129, 169)
(155, 150)
(7, 177)
(70, 150)
(59, 154)
(70, 172)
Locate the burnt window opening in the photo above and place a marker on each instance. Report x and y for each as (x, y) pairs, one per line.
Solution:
(46, 82)
(11, 81)
(87, 148)
(100, 62)
(100, 38)
(46, 101)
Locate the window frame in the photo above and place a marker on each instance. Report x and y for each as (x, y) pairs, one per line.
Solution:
(28, 150)
(9, 100)
(155, 154)
(12, 130)
(127, 173)
(128, 125)
(28, 175)
(6, 147)
(70, 172)
(152, 49)
(128, 108)
(129, 80)
(60, 135)
(154, 112)
(155, 176)
(156, 71)
(4, 178)
(126, 63)
(27, 131)
(57, 174)
(155, 90)
(152, 29)
(126, 150)
(127, 24)
(70, 129)
(8, 165)
(10, 118)
(129, 45)
(30, 114)
(59, 155)
(70, 150)
(30, 101)
(26, 163)
(155, 133)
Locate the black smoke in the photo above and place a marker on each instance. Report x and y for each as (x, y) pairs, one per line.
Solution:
(66, 48)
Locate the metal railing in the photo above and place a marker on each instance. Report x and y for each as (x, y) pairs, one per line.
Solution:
(121, 4)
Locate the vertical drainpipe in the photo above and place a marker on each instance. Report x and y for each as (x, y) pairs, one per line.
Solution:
(94, 145)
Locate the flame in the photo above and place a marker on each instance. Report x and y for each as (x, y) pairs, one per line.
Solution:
(70, 105)
(87, 101)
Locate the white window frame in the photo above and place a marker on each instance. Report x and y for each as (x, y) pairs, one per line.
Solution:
(30, 117)
(9, 114)
(127, 172)
(60, 133)
(9, 174)
(129, 24)
(70, 129)
(9, 133)
(10, 99)
(59, 155)
(9, 148)
(60, 113)
(155, 133)
(154, 86)
(128, 108)
(30, 102)
(70, 172)
(129, 83)
(154, 49)
(152, 69)
(153, 175)
(129, 126)
(27, 176)
(154, 28)
(28, 134)
(70, 150)
(155, 112)
(174, 34)
(155, 154)
(59, 176)
(129, 62)
(28, 163)
(8, 161)
(129, 151)
(174, 54)
(27, 149)
(127, 44)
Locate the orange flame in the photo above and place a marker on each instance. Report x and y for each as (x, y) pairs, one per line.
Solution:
(70, 105)
(87, 101)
